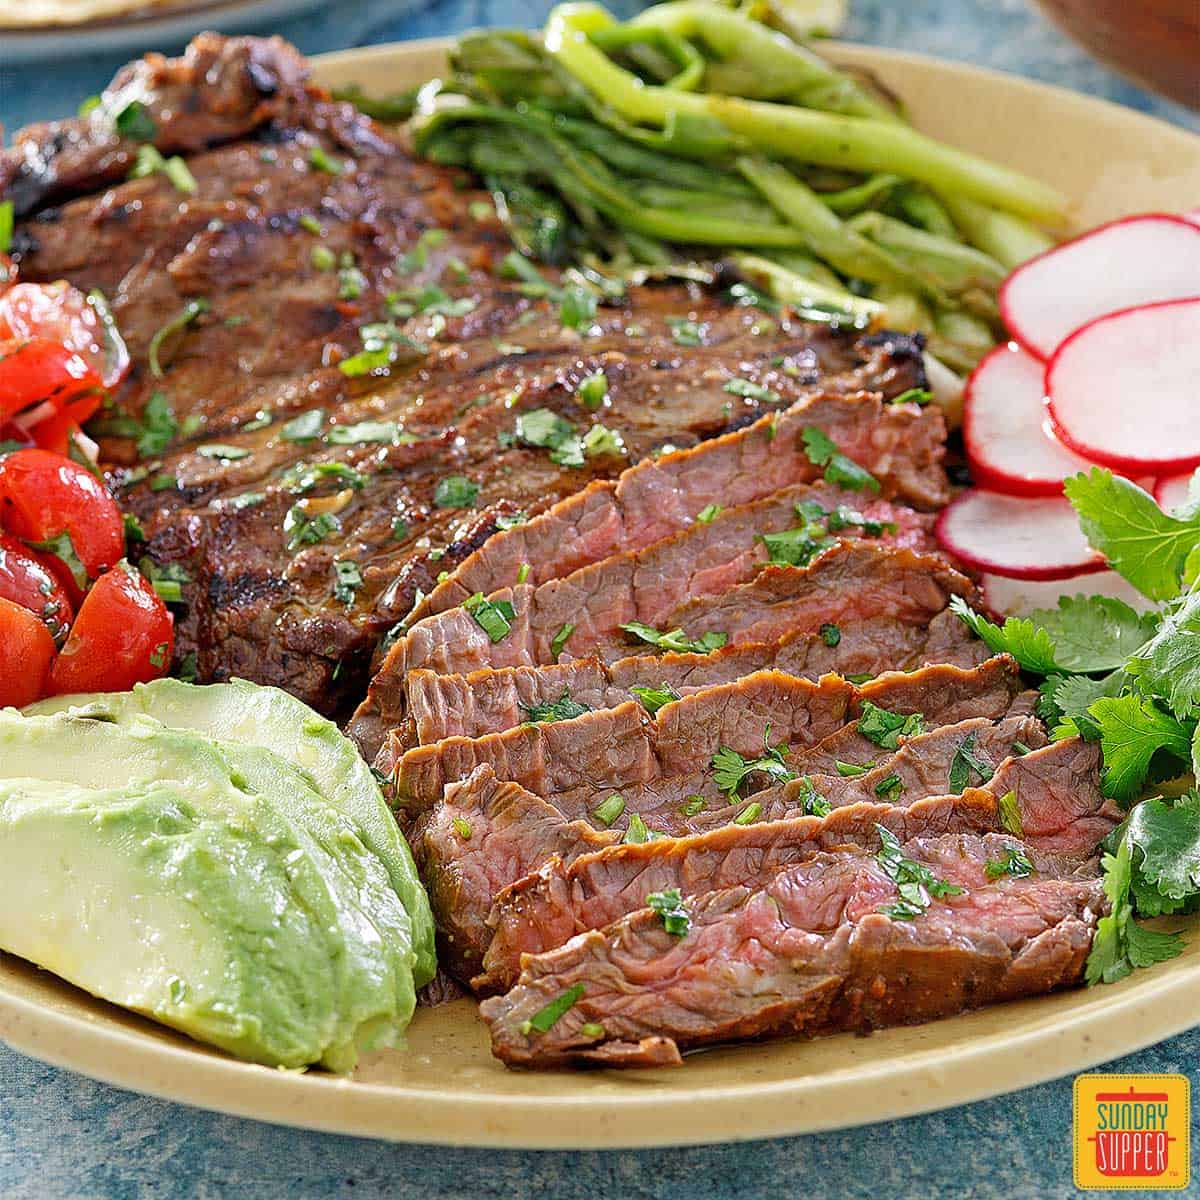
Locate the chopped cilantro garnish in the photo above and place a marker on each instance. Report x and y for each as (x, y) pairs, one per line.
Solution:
(839, 470)
(887, 728)
(914, 395)
(692, 805)
(159, 426)
(494, 617)
(655, 698)
(135, 122)
(669, 905)
(709, 513)
(751, 391)
(523, 572)
(304, 428)
(812, 803)
(675, 641)
(730, 768)
(302, 529)
(546, 1018)
(221, 450)
(1010, 813)
(831, 635)
(890, 787)
(848, 770)
(455, 491)
(593, 390)
(1013, 862)
(685, 332)
(577, 308)
(915, 882)
(462, 827)
(609, 810)
(749, 814)
(637, 833)
(347, 579)
(562, 709)
(966, 761)
(559, 641)
(321, 160)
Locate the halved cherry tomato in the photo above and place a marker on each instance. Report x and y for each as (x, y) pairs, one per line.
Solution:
(26, 654)
(40, 371)
(61, 313)
(44, 495)
(29, 582)
(123, 634)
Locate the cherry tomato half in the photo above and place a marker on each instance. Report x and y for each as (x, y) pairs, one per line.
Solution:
(29, 582)
(44, 495)
(39, 370)
(61, 313)
(123, 634)
(26, 654)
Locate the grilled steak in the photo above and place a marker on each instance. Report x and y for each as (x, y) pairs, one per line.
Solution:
(470, 849)
(281, 172)
(571, 761)
(492, 700)
(926, 764)
(942, 695)
(808, 953)
(562, 898)
(847, 582)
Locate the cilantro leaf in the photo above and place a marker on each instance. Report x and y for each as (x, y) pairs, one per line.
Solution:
(1027, 643)
(1094, 633)
(1141, 542)
(1167, 840)
(1169, 665)
(839, 470)
(730, 768)
(887, 728)
(1075, 694)
(966, 760)
(563, 709)
(676, 641)
(1133, 730)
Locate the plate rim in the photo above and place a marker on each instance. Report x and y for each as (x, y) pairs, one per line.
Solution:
(126, 1056)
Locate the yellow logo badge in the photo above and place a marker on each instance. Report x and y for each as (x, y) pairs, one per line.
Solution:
(1131, 1131)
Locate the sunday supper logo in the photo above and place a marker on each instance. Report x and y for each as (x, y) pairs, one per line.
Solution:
(1132, 1131)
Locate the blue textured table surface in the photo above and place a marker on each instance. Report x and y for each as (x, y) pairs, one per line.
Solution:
(64, 1136)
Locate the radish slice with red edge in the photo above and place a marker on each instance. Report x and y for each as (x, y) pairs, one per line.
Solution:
(1172, 492)
(1128, 263)
(1193, 216)
(1009, 447)
(1014, 597)
(1022, 537)
(1123, 389)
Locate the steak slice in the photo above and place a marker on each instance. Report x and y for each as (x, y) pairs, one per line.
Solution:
(282, 172)
(942, 695)
(925, 764)
(844, 583)
(900, 444)
(571, 761)
(850, 581)
(808, 953)
(481, 836)
(494, 699)
(545, 908)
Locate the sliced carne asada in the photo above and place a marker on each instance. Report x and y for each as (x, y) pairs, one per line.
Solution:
(482, 835)
(386, 410)
(899, 445)
(545, 908)
(492, 700)
(809, 953)
(849, 581)
(572, 761)
(932, 696)
(945, 760)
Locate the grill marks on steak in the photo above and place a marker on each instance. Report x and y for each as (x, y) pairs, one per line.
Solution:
(249, 122)
(807, 952)
(492, 700)
(592, 889)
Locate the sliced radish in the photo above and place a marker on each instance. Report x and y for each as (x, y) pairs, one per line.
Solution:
(1023, 537)
(1009, 447)
(1172, 492)
(1122, 390)
(1193, 216)
(1134, 261)
(1009, 597)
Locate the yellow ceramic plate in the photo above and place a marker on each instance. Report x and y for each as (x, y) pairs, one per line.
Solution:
(446, 1087)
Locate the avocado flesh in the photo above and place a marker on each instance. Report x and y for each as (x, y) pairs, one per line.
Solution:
(209, 910)
(250, 714)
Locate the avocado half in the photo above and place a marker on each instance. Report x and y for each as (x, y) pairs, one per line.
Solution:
(250, 714)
